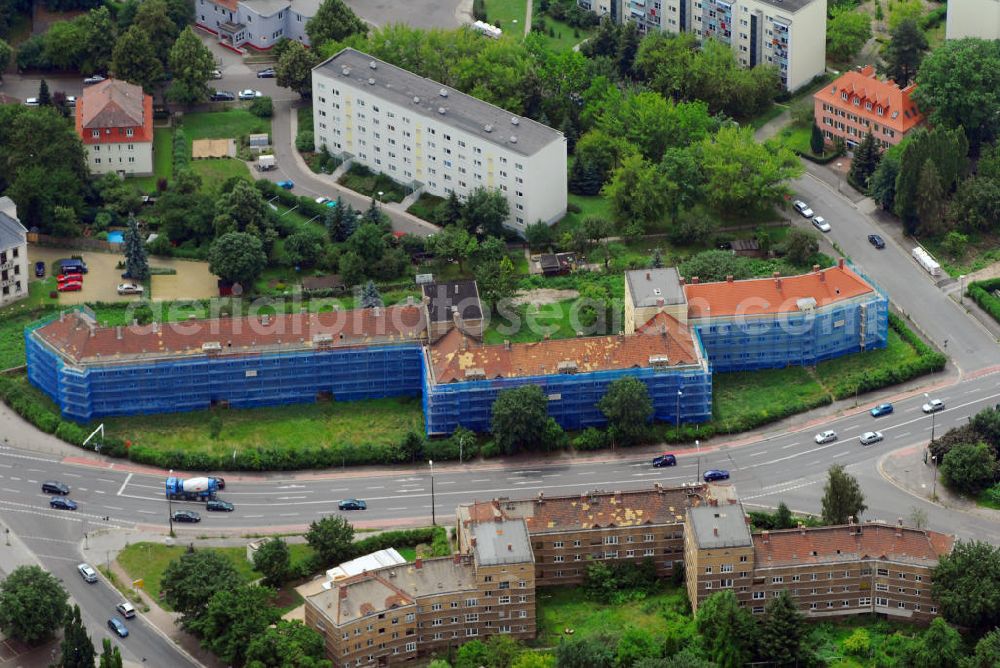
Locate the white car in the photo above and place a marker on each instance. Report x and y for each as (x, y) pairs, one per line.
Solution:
(820, 224)
(126, 609)
(216, 74)
(870, 437)
(249, 94)
(129, 289)
(93, 79)
(88, 573)
(322, 200)
(933, 406)
(71, 100)
(827, 436)
(803, 208)
(31, 102)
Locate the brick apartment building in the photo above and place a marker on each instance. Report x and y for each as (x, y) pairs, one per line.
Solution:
(829, 571)
(508, 547)
(858, 102)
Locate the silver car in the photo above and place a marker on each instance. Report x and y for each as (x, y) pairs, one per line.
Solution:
(820, 224)
(827, 436)
(870, 437)
(803, 208)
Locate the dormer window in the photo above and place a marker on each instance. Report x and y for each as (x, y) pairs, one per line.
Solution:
(95, 133)
(857, 101)
(129, 132)
(868, 106)
(879, 110)
(844, 95)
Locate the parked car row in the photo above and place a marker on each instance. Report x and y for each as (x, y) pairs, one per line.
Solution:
(818, 221)
(126, 609)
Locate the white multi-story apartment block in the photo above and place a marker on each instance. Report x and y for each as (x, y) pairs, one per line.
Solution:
(114, 119)
(259, 24)
(973, 18)
(13, 254)
(789, 34)
(427, 135)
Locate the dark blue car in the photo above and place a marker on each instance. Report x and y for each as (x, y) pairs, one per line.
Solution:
(62, 503)
(716, 474)
(881, 409)
(40, 269)
(287, 184)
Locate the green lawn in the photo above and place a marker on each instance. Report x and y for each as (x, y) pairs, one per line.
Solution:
(796, 138)
(566, 36)
(163, 160)
(561, 608)
(597, 205)
(349, 425)
(426, 206)
(737, 395)
(507, 12)
(981, 251)
(232, 123)
(896, 353)
(368, 183)
(216, 171)
(532, 323)
(148, 561)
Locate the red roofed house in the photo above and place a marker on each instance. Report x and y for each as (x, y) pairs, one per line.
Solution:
(859, 102)
(115, 121)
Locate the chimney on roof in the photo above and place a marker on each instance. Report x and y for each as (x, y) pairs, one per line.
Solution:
(541, 497)
(802, 528)
(343, 592)
(815, 267)
(465, 343)
(119, 332)
(265, 320)
(409, 300)
(418, 563)
(899, 527)
(840, 263)
(765, 536)
(472, 541)
(510, 548)
(694, 280)
(715, 530)
(648, 276)
(660, 301)
(682, 280)
(506, 344)
(729, 278)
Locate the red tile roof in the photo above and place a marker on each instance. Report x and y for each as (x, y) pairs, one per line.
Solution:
(845, 543)
(454, 354)
(899, 112)
(74, 338)
(760, 296)
(111, 107)
(661, 505)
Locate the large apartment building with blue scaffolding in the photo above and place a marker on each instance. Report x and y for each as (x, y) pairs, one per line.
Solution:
(677, 332)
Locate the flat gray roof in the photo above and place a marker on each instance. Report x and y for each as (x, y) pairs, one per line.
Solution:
(790, 5)
(720, 526)
(461, 111)
(504, 542)
(12, 232)
(648, 285)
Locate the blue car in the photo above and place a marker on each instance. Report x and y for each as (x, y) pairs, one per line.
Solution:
(287, 184)
(881, 409)
(332, 203)
(118, 626)
(62, 503)
(716, 474)
(40, 270)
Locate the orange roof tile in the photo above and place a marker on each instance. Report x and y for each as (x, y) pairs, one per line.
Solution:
(454, 354)
(116, 106)
(74, 338)
(759, 296)
(899, 112)
(846, 543)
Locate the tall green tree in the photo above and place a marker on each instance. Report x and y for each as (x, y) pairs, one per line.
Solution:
(842, 497)
(846, 32)
(288, 644)
(134, 59)
(882, 186)
(190, 581)
(6, 52)
(905, 51)
(331, 539)
(929, 202)
(520, 419)
(243, 209)
(958, 86)
(782, 632)
(455, 242)
(966, 585)
(865, 162)
(449, 212)
(294, 68)
(64, 45)
(969, 468)
(743, 175)
(233, 618)
(136, 260)
(191, 63)
(594, 651)
(44, 97)
(99, 35)
(638, 197)
(987, 654)
(153, 18)
(32, 605)
(237, 257)
(817, 143)
(370, 296)
(305, 246)
(76, 648)
(947, 149)
(783, 517)
(333, 21)
(273, 560)
(726, 629)
(111, 657)
(497, 279)
(628, 407)
(940, 646)
(487, 210)
(801, 246)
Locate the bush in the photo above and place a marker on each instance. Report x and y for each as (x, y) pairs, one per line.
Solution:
(620, 582)
(590, 439)
(304, 141)
(981, 292)
(263, 107)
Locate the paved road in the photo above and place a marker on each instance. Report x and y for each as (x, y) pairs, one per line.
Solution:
(909, 287)
(785, 466)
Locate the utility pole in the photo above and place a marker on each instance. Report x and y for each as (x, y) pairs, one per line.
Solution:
(677, 412)
(170, 508)
(433, 513)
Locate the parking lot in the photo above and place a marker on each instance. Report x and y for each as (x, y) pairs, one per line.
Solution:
(192, 280)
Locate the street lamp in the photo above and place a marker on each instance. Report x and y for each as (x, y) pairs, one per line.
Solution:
(433, 515)
(933, 416)
(697, 445)
(170, 508)
(961, 290)
(380, 193)
(677, 413)
(934, 488)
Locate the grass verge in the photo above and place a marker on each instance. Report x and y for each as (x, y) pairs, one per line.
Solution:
(216, 171)
(426, 206)
(362, 180)
(510, 14)
(233, 123)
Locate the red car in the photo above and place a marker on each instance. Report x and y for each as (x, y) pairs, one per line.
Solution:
(69, 277)
(70, 286)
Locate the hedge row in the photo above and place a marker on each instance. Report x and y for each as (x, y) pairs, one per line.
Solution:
(307, 205)
(436, 537)
(982, 293)
(928, 361)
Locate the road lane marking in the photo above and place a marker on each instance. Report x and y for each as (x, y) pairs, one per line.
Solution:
(13, 507)
(100, 491)
(249, 517)
(106, 480)
(146, 512)
(72, 475)
(790, 445)
(840, 454)
(964, 417)
(7, 466)
(34, 482)
(12, 491)
(82, 489)
(583, 473)
(383, 486)
(50, 540)
(757, 454)
(36, 470)
(904, 434)
(482, 480)
(398, 508)
(13, 477)
(125, 484)
(289, 514)
(52, 556)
